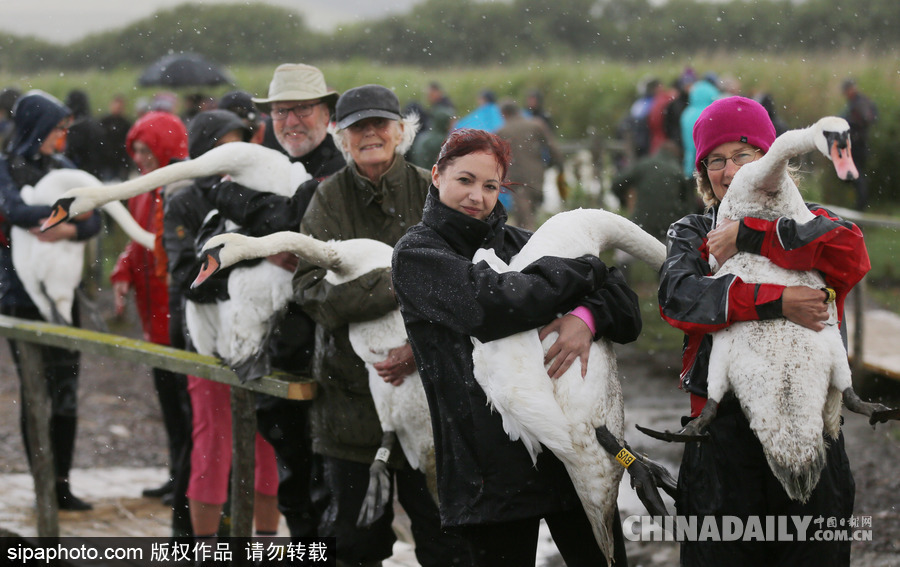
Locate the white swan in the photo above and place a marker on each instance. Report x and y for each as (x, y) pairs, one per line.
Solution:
(51, 271)
(250, 165)
(565, 414)
(788, 379)
(237, 332)
(401, 409)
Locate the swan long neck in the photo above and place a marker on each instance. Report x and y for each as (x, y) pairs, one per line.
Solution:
(306, 247)
(136, 232)
(789, 145)
(145, 183)
(591, 231)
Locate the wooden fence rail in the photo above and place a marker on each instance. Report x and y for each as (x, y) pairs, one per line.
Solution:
(29, 334)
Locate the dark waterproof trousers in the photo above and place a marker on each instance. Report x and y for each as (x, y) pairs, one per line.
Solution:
(514, 543)
(285, 425)
(339, 488)
(61, 375)
(728, 476)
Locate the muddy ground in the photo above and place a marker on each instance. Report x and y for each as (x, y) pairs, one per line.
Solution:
(120, 425)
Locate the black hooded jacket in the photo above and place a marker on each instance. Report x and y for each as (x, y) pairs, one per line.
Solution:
(262, 213)
(445, 300)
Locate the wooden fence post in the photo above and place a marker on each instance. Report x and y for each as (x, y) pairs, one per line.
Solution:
(37, 416)
(243, 438)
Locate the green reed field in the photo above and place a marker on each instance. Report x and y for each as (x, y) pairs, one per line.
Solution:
(590, 97)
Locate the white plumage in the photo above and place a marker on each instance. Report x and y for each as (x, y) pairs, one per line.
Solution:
(237, 331)
(563, 414)
(250, 165)
(51, 271)
(402, 409)
(788, 379)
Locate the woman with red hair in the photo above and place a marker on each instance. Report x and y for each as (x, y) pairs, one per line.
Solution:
(155, 140)
(490, 492)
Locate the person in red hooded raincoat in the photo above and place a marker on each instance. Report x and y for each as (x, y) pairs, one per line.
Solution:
(154, 141)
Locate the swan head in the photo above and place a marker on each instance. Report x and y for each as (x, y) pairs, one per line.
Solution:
(74, 202)
(219, 252)
(833, 140)
(59, 214)
(211, 264)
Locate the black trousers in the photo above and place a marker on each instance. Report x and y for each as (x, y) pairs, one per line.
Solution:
(728, 476)
(61, 375)
(175, 405)
(285, 425)
(338, 491)
(514, 543)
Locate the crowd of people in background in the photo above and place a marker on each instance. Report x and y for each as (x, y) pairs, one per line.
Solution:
(373, 173)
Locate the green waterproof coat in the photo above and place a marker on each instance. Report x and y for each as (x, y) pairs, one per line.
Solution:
(347, 205)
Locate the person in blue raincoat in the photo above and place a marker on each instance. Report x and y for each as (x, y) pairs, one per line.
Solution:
(40, 125)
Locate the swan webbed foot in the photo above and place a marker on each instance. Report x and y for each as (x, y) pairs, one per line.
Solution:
(644, 483)
(378, 493)
(89, 307)
(646, 475)
(662, 478)
(253, 368)
(884, 415)
(877, 413)
(683, 436)
(695, 430)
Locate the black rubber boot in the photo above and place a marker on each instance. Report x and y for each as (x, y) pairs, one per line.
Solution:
(68, 501)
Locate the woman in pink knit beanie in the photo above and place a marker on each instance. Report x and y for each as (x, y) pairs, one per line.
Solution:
(727, 476)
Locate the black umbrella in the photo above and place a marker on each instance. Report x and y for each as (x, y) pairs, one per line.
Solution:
(184, 70)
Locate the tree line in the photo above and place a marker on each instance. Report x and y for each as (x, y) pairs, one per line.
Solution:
(468, 32)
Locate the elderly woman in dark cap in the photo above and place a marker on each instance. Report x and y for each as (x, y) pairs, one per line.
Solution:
(378, 195)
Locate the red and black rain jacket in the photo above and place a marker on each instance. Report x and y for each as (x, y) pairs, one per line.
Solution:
(698, 304)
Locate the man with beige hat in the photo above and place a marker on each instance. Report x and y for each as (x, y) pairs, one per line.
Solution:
(300, 105)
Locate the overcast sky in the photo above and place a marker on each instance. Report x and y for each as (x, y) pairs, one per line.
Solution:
(64, 21)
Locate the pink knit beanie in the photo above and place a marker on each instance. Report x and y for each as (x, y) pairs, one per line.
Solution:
(732, 119)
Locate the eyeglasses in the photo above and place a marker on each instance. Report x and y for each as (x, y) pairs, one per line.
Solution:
(741, 158)
(300, 111)
(377, 122)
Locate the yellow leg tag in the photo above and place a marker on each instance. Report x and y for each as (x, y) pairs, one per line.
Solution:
(832, 295)
(625, 458)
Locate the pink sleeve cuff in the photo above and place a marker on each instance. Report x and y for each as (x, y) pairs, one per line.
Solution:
(585, 315)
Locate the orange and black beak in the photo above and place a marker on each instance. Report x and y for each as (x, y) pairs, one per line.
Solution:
(59, 214)
(211, 265)
(839, 150)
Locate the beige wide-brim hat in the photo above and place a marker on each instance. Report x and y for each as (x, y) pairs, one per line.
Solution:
(296, 81)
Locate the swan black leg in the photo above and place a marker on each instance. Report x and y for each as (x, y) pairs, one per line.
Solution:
(643, 479)
(378, 494)
(877, 413)
(693, 431)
